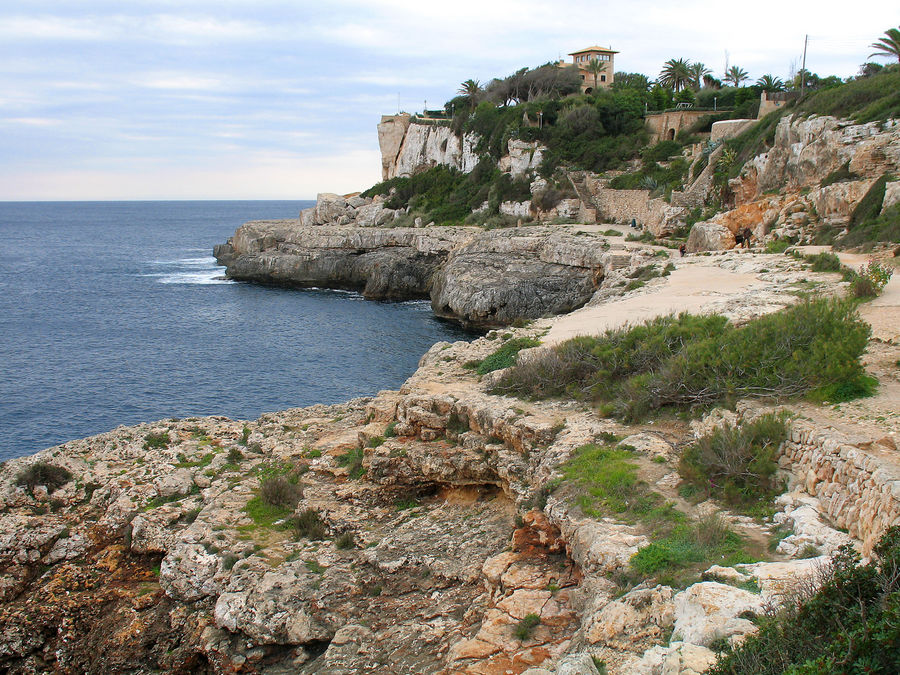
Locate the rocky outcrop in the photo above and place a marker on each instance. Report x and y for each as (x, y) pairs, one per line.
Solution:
(410, 145)
(481, 279)
(503, 275)
(383, 263)
(807, 150)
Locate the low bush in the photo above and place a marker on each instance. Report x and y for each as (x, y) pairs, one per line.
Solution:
(846, 621)
(737, 464)
(691, 361)
(308, 524)
(825, 262)
(49, 475)
(345, 541)
(280, 491)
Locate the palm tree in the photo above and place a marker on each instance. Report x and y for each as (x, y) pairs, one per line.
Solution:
(471, 89)
(595, 67)
(888, 47)
(736, 75)
(698, 71)
(676, 74)
(769, 83)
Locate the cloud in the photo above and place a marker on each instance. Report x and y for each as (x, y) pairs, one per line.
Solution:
(258, 176)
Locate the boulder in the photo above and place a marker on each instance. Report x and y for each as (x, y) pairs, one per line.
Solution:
(709, 236)
(678, 658)
(708, 611)
(635, 621)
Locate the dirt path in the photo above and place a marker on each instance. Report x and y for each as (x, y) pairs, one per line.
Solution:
(698, 284)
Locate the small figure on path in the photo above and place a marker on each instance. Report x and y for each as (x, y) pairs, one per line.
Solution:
(742, 238)
(682, 249)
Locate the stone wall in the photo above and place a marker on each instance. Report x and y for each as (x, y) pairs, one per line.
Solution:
(665, 126)
(856, 481)
(621, 206)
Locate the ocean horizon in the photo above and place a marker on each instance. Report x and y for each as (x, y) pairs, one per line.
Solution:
(114, 312)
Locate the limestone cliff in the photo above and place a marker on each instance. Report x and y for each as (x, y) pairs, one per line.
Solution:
(783, 192)
(481, 279)
(409, 145)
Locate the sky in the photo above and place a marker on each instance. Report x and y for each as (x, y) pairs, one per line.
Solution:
(266, 99)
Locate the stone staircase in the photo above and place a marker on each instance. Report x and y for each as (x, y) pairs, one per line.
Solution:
(588, 211)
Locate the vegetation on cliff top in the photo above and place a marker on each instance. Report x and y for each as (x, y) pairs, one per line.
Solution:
(812, 348)
(848, 624)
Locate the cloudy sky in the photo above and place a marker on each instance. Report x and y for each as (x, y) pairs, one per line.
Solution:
(269, 99)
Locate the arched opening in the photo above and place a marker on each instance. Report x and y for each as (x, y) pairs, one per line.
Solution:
(589, 90)
(671, 134)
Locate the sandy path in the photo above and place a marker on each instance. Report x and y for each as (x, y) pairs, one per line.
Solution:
(692, 287)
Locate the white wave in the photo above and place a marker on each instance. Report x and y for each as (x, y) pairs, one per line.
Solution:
(187, 262)
(203, 278)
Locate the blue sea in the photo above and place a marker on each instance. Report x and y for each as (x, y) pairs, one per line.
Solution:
(115, 313)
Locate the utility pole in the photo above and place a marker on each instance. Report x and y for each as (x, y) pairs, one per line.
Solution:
(803, 67)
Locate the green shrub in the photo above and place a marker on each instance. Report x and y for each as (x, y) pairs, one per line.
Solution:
(506, 355)
(737, 464)
(848, 625)
(825, 262)
(869, 207)
(51, 476)
(661, 151)
(840, 175)
(353, 460)
(689, 361)
(156, 441)
(279, 491)
(235, 456)
(263, 514)
(863, 288)
(526, 626)
(778, 245)
(308, 524)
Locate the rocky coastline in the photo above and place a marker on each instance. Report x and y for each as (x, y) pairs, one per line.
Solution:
(433, 533)
(482, 279)
(441, 528)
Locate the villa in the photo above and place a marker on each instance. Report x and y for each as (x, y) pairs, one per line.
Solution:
(583, 57)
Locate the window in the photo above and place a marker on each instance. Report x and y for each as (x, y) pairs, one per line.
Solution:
(603, 78)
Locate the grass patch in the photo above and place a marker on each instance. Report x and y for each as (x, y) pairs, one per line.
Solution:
(353, 460)
(185, 463)
(156, 441)
(680, 551)
(266, 515)
(505, 356)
